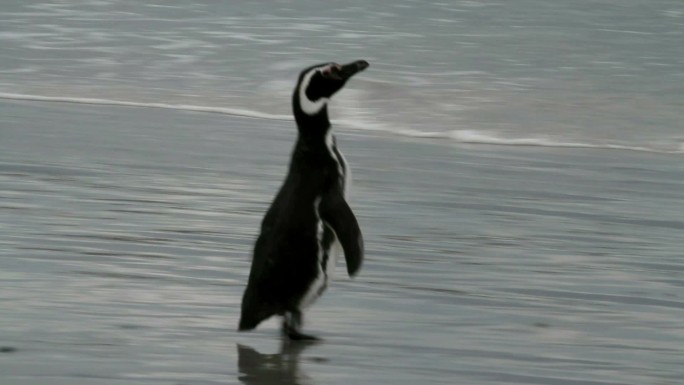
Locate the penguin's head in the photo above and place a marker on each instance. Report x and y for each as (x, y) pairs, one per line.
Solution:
(320, 82)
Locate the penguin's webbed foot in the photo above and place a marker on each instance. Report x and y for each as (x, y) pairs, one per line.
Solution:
(292, 323)
(296, 335)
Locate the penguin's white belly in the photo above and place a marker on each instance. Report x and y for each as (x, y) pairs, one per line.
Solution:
(325, 270)
(324, 273)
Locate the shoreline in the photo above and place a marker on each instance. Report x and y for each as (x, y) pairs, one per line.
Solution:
(454, 137)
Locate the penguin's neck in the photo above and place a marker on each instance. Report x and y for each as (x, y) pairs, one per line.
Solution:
(313, 127)
(313, 119)
(315, 139)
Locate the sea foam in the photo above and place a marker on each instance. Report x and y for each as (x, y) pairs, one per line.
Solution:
(459, 136)
(185, 107)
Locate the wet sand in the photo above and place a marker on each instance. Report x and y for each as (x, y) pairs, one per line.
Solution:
(126, 234)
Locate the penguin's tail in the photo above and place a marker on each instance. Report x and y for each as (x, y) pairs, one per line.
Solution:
(254, 311)
(249, 321)
(246, 324)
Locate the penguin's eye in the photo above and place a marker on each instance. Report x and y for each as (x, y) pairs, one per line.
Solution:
(332, 71)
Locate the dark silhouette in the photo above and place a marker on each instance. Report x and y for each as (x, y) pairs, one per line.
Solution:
(273, 369)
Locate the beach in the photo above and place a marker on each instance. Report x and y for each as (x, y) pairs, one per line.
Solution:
(126, 236)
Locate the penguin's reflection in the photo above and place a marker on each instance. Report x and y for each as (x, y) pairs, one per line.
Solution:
(270, 369)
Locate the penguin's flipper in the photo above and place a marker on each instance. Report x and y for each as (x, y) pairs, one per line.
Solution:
(337, 214)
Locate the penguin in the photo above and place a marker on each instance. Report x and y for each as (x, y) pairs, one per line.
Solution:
(309, 220)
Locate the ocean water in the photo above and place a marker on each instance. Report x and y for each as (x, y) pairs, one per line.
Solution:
(126, 235)
(574, 73)
(517, 174)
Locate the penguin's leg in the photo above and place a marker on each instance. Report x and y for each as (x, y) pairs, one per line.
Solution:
(292, 325)
(287, 323)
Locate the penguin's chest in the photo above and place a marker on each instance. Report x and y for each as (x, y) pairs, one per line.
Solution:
(328, 247)
(343, 170)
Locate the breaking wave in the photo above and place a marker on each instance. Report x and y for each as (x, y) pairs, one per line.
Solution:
(458, 136)
(184, 107)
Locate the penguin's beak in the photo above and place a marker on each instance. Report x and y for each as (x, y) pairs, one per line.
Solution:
(348, 70)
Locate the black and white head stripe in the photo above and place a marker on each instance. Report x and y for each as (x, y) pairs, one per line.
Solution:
(320, 82)
(308, 106)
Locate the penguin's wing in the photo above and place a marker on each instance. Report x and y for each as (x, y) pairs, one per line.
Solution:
(337, 214)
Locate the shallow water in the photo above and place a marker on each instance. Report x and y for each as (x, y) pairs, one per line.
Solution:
(548, 73)
(126, 233)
